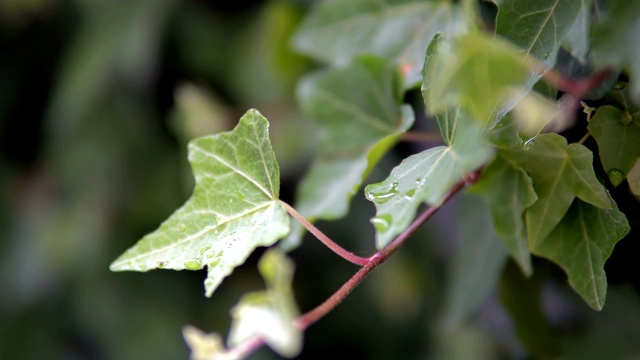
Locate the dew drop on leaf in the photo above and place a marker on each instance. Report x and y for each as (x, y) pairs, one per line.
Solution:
(410, 194)
(214, 263)
(526, 141)
(245, 223)
(182, 227)
(382, 222)
(616, 177)
(240, 195)
(160, 264)
(383, 195)
(546, 55)
(204, 249)
(192, 265)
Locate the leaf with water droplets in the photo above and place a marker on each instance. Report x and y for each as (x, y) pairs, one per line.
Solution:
(360, 117)
(427, 176)
(618, 135)
(509, 192)
(581, 243)
(559, 172)
(270, 314)
(234, 207)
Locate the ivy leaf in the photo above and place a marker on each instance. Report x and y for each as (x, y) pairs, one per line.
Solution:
(358, 125)
(477, 72)
(634, 178)
(270, 314)
(581, 243)
(427, 176)
(576, 40)
(618, 135)
(539, 26)
(618, 27)
(509, 191)
(234, 207)
(400, 30)
(560, 172)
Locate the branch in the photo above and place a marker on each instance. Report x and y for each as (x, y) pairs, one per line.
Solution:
(351, 257)
(311, 317)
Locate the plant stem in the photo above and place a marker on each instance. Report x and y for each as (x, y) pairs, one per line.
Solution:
(355, 259)
(311, 317)
(421, 136)
(328, 305)
(577, 88)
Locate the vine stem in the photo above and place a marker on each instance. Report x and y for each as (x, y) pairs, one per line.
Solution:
(421, 136)
(304, 321)
(349, 256)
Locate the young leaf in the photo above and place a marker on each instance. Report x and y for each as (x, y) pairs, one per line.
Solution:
(560, 172)
(271, 313)
(358, 126)
(612, 38)
(427, 176)
(399, 30)
(581, 243)
(618, 135)
(539, 26)
(477, 72)
(234, 207)
(203, 346)
(509, 191)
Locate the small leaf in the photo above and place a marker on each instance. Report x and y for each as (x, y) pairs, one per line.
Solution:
(618, 135)
(581, 243)
(560, 172)
(234, 207)
(271, 313)
(477, 72)
(204, 346)
(612, 37)
(399, 31)
(358, 124)
(509, 191)
(427, 176)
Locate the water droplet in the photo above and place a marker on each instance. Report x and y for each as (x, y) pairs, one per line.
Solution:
(245, 223)
(208, 283)
(616, 176)
(410, 194)
(381, 223)
(546, 56)
(160, 264)
(216, 232)
(211, 254)
(383, 195)
(204, 250)
(192, 265)
(143, 267)
(214, 263)
(526, 141)
(253, 223)
(229, 245)
(230, 200)
(182, 227)
(240, 195)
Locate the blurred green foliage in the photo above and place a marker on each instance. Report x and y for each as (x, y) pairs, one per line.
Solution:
(97, 102)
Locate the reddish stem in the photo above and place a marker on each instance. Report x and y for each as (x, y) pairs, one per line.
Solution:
(576, 88)
(351, 257)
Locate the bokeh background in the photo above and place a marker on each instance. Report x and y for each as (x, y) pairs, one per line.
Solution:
(98, 100)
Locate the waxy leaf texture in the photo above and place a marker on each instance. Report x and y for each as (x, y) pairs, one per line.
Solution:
(234, 208)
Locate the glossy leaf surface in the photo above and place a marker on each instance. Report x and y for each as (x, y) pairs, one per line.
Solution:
(234, 208)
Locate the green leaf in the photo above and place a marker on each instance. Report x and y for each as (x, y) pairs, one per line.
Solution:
(427, 176)
(358, 125)
(399, 30)
(509, 191)
(634, 178)
(613, 36)
(576, 39)
(234, 207)
(203, 345)
(560, 172)
(477, 72)
(539, 26)
(581, 243)
(618, 135)
(270, 314)
(476, 265)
